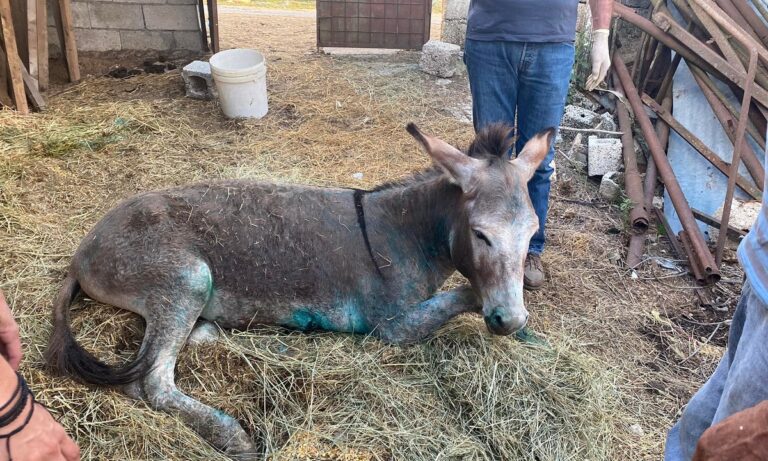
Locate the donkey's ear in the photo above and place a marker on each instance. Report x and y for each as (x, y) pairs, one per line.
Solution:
(455, 163)
(534, 152)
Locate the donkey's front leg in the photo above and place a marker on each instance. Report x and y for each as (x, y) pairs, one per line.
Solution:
(417, 321)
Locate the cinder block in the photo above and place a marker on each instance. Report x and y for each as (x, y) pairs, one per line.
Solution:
(146, 40)
(97, 39)
(578, 117)
(188, 40)
(606, 122)
(454, 31)
(116, 16)
(181, 2)
(198, 80)
(80, 15)
(171, 17)
(604, 155)
(456, 9)
(439, 58)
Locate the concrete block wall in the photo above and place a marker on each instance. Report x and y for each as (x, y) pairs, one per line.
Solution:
(116, 25)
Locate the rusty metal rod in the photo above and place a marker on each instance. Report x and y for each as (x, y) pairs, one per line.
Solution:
(730, 9)
(635, 250)
(676, 247)
(726, 49)
(662, 131)
(737, 149)
(666, 84)
(665, 170)
(693, 261)
(700, 147)
(638, 214)
(755, 23)
(714, 60)
(753, 165)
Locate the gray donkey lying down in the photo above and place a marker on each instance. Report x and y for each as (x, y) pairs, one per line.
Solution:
(240, 253)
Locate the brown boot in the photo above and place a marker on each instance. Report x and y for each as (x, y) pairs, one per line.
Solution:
(533, 273)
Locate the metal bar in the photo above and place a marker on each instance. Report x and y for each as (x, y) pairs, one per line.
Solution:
(635, 250)
(676, 247)
(714, 60)
(638, 214)
(722, 41)
(754, 167)
(737, 148)
(693, 262)
(666, 84)
(712, 221)
(733, 13)
(662, 131)
(701, 148)
(665, 170)
(755, 23)
(636, 64)
(648, 58)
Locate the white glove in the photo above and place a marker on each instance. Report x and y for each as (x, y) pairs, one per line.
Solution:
(601, 58)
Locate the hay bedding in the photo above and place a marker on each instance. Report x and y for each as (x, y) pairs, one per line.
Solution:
(461, 395)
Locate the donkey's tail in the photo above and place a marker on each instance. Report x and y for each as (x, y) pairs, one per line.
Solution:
(66, 356)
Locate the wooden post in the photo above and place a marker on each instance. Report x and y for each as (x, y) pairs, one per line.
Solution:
(12, 53)
(42, 45)
(69, 45)
(32, 38)
(213, 15)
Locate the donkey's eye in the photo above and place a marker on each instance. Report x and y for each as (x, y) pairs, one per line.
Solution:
(482, 237)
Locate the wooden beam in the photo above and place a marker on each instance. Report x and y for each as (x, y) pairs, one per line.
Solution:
(69, 45)
(42, 44)
(30, 87)
(213, 14)
(32, 38)
(17, 84)
(5, 98)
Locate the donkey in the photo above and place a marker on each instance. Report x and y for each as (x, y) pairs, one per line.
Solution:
(239, 253)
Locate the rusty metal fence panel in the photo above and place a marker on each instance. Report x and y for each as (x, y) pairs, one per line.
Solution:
(402, 24)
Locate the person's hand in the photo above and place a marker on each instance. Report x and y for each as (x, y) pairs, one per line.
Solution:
(742, 436)
(601, 58)
(10, 342)
(42, 439)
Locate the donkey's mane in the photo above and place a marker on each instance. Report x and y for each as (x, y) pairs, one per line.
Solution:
(492, 143)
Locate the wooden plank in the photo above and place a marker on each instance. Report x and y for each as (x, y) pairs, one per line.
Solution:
(203, 27)
(42, 44)
(32, 38)
(213, 13)
(70, 46)
(5, 98)
(17, 84)
(30, 87)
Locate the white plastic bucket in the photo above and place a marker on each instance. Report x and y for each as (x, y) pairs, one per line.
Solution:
(240, 77)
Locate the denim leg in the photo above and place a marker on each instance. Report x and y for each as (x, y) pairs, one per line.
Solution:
(492, 73)
(544, 75)
(701, 412)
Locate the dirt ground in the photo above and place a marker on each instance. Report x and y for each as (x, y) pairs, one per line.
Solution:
(650, 332)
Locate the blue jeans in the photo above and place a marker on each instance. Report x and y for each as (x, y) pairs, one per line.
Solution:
(527, 79)
(739, 382)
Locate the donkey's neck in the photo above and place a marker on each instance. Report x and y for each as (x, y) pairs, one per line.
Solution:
(422, 210)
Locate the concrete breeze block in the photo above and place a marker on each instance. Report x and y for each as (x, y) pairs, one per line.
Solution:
(171, 17)
(187, 40)
(146, 40)
(198, 80)
(603, 155)
(116, 16)
(578, 117)
(81, 16)
(439, 58)
(610, 186)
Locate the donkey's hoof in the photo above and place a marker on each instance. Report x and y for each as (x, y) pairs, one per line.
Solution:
(204, 333)
(134, 390)
(243, 449)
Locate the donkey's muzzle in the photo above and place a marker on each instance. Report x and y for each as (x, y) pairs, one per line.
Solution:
(504, 322)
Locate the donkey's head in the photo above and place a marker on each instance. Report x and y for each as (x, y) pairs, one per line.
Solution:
(495, 220)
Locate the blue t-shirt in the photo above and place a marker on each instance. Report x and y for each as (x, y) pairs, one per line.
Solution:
(753, 250)
(522, 20)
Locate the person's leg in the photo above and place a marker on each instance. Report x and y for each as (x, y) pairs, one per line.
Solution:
(492, 73)
(544, 74)
(700, 412)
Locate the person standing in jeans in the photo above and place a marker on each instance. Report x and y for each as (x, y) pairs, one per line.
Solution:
(519, 55)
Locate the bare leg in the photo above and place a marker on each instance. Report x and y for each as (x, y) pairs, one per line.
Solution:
(420, 320)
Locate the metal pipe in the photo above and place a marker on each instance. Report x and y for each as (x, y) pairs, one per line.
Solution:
(676, 247)
(737, 148)
(753, 165)
(662, 131)
(665, 170)
(733, 13)
(666, 84)
(701, 148)
(635, 250)
(755, 24)
(638, 214)
(693, 261)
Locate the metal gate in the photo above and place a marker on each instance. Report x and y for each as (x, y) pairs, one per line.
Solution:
(402, 24)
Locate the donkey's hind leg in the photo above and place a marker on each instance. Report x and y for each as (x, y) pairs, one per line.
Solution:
(172, 314)
(419, 320)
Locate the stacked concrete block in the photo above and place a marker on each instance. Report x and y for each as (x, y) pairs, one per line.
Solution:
(114, 25)
(198, 80)
(454, 28)
(439, 58)
(604, 155)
